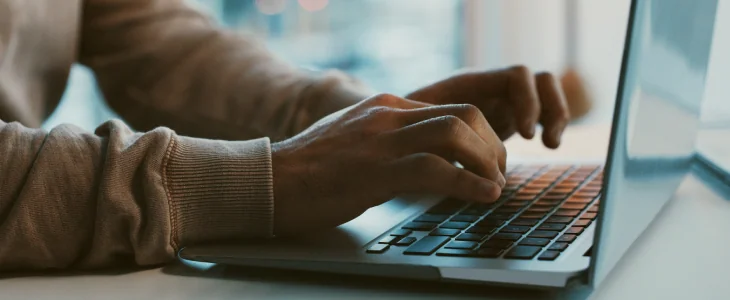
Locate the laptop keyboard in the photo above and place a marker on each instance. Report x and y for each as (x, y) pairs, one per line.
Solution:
(541, 211)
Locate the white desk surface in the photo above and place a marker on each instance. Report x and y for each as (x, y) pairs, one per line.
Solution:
(685, 254)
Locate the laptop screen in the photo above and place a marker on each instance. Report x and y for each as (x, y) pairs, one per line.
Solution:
(655, 121)
(713, 143)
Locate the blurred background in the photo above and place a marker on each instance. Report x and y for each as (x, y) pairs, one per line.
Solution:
(396, 46)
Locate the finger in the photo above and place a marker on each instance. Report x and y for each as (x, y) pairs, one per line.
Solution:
(451, 138)
(469, 114)
(428, 173)
(523, 94)
(555, 114)
(393, 101)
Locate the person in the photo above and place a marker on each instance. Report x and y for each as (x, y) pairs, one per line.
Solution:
(260, 149)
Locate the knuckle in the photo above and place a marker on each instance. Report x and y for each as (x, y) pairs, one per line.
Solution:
(470, 113)
(521, 71)
(450, 125)
(385, 99)
(502, 152)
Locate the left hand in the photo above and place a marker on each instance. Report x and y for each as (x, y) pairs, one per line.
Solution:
(512, 100)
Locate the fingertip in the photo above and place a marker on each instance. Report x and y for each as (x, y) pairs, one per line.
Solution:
(552, 138)
(491, 191)
(528, 131)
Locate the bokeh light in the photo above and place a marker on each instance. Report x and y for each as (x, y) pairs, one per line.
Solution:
(271, 7)
(313, 5)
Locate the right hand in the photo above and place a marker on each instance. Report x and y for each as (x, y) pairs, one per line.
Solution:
(380, 148)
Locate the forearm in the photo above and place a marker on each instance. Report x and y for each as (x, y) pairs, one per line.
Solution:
(71, 199)
(160, 62)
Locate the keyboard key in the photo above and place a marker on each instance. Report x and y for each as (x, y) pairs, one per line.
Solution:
(567, 185)
(552, 199)
(524, 222)
(429, 218)
(401, 232)
(470, 237)
(525, 191)
(561, 220)
(591, 216)
(561, 190)
(543, 234)
(578, 206)
(406, 241)
(490, 222)
(378, 248)
(593, 209)
(575, 230)
(464, 218)
(575, 199)
(551, 227)
(391, 239)
(539, 209)
(426, 245)
(501, 216)
(567, 213)
(532, 215)
(489, 252)
(522, 198)
(508, 209)
(523, 252)
(549, 255)
(587, 194)
(590, 189)
(497, 244)
(515, 229)
(557, 194)
(455, 225)
(420, 226)
(582, 223)
(568, 238)
(548, 202)
(481, 230)
(534, 242)
(445, 232)
(461, 245)
(455, 252)
(473, 212)
(507, 236)
(558, 246)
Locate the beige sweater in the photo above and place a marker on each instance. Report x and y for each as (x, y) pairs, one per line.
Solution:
(73, 199)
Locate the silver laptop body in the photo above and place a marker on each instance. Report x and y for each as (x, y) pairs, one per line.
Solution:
(651, 149)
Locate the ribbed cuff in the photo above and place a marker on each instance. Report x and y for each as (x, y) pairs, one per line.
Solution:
(219, 190)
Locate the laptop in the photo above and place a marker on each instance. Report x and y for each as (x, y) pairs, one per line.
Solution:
(554, 226)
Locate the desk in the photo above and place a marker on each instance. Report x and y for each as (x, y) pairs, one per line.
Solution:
(666, 263)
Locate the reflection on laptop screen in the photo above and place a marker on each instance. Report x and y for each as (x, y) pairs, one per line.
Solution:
(656, 119)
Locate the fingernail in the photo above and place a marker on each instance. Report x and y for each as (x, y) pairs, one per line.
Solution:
(502, 181)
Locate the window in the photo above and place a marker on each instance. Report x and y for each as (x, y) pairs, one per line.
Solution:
(393, 46)
(398, 45)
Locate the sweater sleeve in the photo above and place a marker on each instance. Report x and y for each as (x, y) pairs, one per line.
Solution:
(162, 63)
(72, 199)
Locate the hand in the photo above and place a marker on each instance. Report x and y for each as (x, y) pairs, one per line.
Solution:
(378, 149)
(512, 100)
